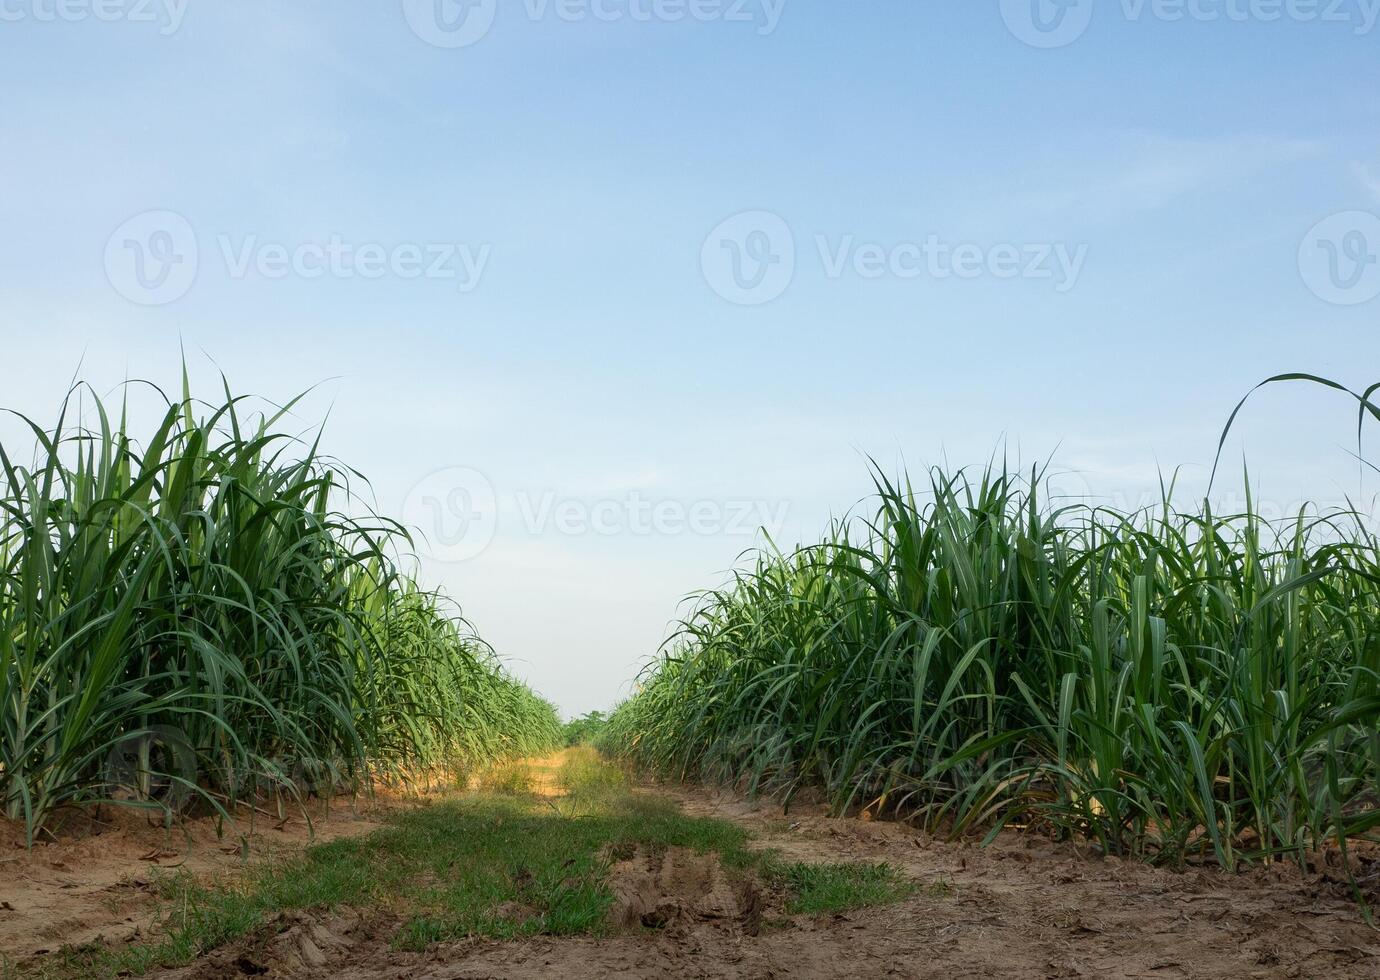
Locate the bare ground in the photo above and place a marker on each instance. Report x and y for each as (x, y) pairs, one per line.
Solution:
(1022, 907)
(95, 879)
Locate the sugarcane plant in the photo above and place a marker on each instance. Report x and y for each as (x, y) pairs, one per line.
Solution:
(217, 592)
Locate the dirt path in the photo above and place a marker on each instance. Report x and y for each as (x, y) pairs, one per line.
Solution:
(98, 879)
(1021, 908)
(1026, 908)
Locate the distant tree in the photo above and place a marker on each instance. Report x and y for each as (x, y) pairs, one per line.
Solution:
(585, 729)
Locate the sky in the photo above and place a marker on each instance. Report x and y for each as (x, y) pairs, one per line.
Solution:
(595, 290)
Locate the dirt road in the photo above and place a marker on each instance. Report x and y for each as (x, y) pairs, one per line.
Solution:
(98, 883)
(1020, 908)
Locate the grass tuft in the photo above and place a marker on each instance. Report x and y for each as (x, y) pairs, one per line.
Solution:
(822, 888)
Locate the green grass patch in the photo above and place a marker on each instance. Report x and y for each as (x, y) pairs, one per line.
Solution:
(819, 888)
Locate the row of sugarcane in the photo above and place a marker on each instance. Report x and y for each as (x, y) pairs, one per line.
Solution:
(211, 593)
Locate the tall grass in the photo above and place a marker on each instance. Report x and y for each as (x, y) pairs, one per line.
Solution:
(1174, 685)
(209, 581)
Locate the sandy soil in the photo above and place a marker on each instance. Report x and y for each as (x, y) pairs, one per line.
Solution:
(1020, 908)
(94, 879)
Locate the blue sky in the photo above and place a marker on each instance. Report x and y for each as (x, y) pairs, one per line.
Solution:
(538, 338)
